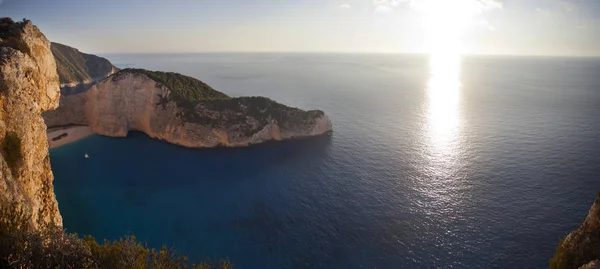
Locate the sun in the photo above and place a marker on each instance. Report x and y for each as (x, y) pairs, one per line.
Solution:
(445, 23)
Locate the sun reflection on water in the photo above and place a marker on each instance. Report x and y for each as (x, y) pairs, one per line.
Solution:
(441, 187)
(443, 94)
(441, 190)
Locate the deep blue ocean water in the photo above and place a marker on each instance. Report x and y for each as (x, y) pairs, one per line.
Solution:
(429, 165)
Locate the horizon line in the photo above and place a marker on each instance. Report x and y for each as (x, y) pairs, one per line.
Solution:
(351, 52)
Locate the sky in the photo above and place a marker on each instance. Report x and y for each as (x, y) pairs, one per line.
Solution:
(520, 27)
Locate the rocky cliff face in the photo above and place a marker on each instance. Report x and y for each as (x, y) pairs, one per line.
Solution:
(135, 100)
(582, 245)
(75, 68)
(28, 86)
(595, 264)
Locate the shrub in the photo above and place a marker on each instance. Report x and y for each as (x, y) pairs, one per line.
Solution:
(10, 34)
(50, 247)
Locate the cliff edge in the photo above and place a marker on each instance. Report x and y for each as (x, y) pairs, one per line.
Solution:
(582, 246)
(183, 111)
(28, 86)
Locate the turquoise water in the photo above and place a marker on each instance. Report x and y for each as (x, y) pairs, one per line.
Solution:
(429, 165)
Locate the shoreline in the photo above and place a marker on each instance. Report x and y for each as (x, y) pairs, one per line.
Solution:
(73, 133)
(62, 135)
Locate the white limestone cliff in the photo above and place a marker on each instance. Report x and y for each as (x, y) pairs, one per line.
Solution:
(132, 102)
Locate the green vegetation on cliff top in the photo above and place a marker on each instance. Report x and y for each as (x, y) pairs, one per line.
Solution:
(193, 96)
(74, 66)
(10, 34)
(235, 112)
(184, 89)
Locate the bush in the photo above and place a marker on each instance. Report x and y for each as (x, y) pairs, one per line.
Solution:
(10, 34)
(23, 247)
(50, 247)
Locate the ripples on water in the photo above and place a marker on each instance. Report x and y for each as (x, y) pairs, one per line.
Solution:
(479, 162)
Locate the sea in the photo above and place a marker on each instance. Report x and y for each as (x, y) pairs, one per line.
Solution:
(434, 162)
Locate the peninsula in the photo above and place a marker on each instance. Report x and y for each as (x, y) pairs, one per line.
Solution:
(180, 110)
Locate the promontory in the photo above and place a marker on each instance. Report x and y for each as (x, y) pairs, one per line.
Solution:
(184, 111)
(76, 68)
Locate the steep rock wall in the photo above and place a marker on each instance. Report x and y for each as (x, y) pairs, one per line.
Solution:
(582, 245)
(28, 86)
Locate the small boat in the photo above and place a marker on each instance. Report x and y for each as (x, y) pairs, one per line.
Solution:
(86, 156)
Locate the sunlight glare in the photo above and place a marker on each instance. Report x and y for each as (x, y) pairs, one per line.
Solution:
(443, 91)
(446, 22)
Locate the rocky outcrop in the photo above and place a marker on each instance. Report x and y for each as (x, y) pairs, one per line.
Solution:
(581, 245)
(139, 100)
(76, 68)
(28, 86)
(595, 264)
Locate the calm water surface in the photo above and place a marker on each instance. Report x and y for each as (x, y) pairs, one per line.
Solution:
(443, 162)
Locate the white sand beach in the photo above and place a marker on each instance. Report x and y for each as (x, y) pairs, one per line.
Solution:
(74, 133)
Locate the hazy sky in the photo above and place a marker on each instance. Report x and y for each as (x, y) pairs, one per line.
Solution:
(555, 27)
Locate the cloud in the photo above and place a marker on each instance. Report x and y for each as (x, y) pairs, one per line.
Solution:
(476, 6)
(342, 6)
(484, 24)
(558, 7)
(383, 9)
(389, 3)
(488, 4)
(385, 6)
(543, 10)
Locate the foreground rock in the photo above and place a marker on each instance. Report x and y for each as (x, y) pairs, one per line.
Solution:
(28, 86)
(183, 111)
(581, 246)
(591, 265)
